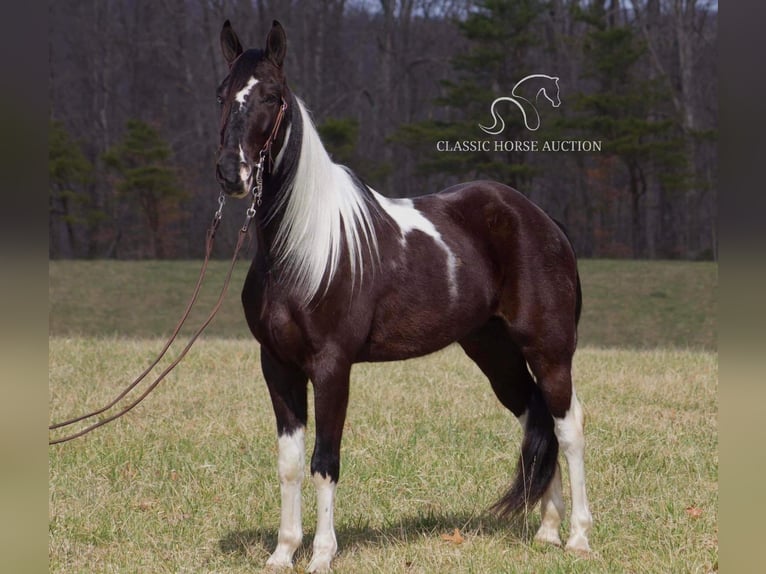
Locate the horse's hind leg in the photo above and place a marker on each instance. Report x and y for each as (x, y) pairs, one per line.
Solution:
(553, 371)
(499, 358)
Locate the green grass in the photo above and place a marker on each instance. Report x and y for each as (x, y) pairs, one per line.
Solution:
(649, 304)
(140, 298)
(639, 304)
(187, 481)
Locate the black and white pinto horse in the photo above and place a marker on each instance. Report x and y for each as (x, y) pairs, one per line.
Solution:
(343, 274)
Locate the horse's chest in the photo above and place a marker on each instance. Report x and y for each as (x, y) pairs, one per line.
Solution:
(273, 324)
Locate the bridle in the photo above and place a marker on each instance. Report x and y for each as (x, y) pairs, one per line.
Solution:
(257, 190)
(257, 195)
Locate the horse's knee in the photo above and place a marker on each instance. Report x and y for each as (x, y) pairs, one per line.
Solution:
(291, 457)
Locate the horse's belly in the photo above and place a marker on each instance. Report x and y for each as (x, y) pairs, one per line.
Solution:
(416, 319)
(438, 285)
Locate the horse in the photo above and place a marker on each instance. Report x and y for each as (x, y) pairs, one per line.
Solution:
(342, 274)
(542, 84)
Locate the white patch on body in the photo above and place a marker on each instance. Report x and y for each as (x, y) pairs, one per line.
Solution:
(290, 463)
(324, 213)
(325, 543)
(409, 219)
(241, 95)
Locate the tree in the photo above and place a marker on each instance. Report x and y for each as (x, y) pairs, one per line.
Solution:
(69, 172)
(626, 111)
(144, 178)
(501, 36)
(412, 71)
(341, 138)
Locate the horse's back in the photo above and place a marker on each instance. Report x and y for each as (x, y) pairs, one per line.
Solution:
(490, 251)
(509, 223)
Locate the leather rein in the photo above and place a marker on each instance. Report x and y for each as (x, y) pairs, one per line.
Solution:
(257, 192)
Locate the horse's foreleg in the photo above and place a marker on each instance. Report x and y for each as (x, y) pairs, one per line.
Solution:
(287, 387)
(290, 470)
(330, 402)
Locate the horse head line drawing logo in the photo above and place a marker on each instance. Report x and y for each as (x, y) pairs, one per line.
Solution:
(531, 123)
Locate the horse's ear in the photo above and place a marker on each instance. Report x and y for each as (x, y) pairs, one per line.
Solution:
(276, 44)
(230, 45)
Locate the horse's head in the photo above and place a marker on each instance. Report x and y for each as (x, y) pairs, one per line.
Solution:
(250, 98)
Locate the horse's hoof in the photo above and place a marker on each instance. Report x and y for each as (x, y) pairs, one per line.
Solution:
(320, 564)
(548, 536)
(278, 562)
(578, 545)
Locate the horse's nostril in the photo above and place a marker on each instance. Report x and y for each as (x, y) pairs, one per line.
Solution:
(227, 172)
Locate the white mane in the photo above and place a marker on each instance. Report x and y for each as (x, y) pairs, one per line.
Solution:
(324, 213)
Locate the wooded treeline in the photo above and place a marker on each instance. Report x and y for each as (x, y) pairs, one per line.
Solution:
(134, 120)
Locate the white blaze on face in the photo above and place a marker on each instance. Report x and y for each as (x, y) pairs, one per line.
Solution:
(241, 95)
(245, 171)
(408, 218)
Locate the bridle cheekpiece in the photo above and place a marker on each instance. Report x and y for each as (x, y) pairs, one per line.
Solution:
(263, 155)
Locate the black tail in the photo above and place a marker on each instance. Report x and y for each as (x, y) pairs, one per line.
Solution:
(537, 463)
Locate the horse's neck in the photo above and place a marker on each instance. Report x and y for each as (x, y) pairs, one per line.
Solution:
(318, 215)
(277, 183)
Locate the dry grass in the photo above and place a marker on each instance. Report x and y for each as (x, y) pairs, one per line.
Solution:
(187, 482)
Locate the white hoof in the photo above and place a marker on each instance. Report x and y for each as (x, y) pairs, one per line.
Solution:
(547, 535)
(578, 544)
(280, 559)
(320, 563)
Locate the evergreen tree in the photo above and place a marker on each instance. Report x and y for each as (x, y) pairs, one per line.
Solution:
(501, 35)
(627, 111)
(69, 172)
(145, 178)
(341, 138)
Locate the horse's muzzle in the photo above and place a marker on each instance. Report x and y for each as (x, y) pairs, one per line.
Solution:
(229, 174)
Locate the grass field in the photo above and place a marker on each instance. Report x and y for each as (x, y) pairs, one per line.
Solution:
(187, 481)
(637, 304)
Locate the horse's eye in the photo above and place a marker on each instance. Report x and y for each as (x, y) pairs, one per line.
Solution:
(269, 99)
(219, 99)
